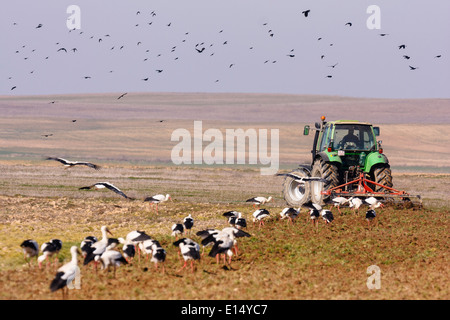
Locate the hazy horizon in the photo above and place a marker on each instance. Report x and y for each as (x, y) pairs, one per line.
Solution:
(249, 47)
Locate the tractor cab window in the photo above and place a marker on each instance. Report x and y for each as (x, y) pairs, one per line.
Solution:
(353, 137)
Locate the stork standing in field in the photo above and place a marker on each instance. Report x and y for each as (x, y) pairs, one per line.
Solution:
(111, 257)
(290, 214)
(70, 164)
(177, 229)
(240, 222)
(49, 249)
(314, 212)
(257, 201)
(157, 199)
(232, 221)
(374, 203)
(203, 234)
(231, 216)
(339, 201)
(30, 249)
(86, 244)
(190, 250)
(145, 247)
(234, 234)
(355, 203)
(223, 244)
(327, 216)
(97, 248)
(260, 215)
(128, 249)
(212, 236)
(66, 274)
(158, 255)
(188, 223)
(137, 237)
(370, 215)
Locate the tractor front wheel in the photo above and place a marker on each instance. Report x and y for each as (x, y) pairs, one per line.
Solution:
(296, 193)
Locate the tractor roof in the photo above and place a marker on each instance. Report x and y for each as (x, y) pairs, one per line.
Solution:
(349, 122)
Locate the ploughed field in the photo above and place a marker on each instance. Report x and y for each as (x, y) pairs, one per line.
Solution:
(41, 200)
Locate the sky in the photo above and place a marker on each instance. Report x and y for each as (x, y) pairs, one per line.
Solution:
(259, 46)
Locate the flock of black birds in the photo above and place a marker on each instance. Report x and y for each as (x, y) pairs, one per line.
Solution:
(147, 20)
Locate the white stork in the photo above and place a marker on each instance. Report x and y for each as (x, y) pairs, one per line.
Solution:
(97, 248)
(146, 247)
(260, 215)
(158, 255)
(188, 223)
(290, 214)
(70, 164)
(67, 273)
(203, 234)
(235, 233)
(111, 257)
(240, 222)
(231, 216)
(177, 229)
(128, 249)
(339, 201)
(110, 186)
(49, 249)
(301, 179)
(327, 215)
(86, 244)
(157, 199)
(355, 203)
(374, 203)
(223, 244)
(259, 200)
(137, 237)
(232, 221)
(314, 212)
(30, 249)
(190, 250)
(370, 215)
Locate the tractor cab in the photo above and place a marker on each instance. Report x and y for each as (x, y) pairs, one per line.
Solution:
(346, 142)
(350, 137)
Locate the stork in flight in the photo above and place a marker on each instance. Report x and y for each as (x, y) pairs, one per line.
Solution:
(70, 164)
(101, 185)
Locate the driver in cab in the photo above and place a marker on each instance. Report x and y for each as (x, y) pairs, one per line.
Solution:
(350, 139)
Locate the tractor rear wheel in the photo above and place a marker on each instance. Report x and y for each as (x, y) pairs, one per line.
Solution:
(327, 171)
(382, 175)
(296, 193)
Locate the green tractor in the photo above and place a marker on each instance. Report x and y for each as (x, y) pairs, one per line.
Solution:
(347, 160)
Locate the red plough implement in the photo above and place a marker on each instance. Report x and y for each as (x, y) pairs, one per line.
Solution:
(362, 187)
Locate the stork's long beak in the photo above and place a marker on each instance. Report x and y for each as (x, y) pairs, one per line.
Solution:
(107, 230)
